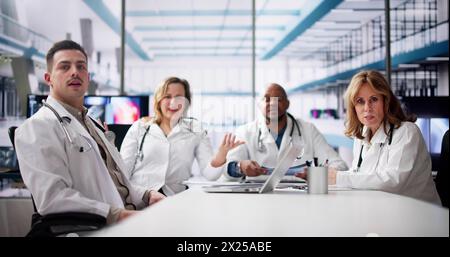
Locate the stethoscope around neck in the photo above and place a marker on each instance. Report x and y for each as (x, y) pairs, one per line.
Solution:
(140, 152)
(360, 159)
(262, 148)
(62, 121)
(83, 149)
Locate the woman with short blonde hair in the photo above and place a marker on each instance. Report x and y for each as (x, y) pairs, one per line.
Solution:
(159, 152)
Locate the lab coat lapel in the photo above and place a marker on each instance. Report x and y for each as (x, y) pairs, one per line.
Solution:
(380, 136)
(74, 124)
(156, 132)
(267, 138)
(286, 139)
(111, 149)
(175, 130)
(372, 149)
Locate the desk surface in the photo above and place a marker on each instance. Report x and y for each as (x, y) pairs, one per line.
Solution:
(286, 213)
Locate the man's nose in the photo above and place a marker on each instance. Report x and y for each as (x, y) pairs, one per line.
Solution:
(74, 71)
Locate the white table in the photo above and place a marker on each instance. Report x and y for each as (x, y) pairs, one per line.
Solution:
(286, 213)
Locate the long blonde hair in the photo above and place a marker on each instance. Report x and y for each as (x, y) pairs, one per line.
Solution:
(393, 112)
(161, 91)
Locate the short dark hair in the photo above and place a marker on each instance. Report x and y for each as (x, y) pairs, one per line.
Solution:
(63, 45)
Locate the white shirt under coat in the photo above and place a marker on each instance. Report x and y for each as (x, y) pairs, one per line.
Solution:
(403, 167)
(167, 161)
(314, 142)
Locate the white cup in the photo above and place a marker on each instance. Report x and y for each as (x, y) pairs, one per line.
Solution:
(317, 178)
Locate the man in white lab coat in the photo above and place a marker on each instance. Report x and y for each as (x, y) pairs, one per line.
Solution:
(65, 159)
(268, 137)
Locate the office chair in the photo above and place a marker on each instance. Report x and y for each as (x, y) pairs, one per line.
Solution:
(120, 130)
(57, 224)
(442, 174)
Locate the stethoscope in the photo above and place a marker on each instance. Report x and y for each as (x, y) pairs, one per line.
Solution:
(81, 148)
(390, 133)
(140, 152)
(262, 148)
(62, 121)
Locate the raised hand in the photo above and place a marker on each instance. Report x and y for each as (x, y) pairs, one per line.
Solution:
(229, 142)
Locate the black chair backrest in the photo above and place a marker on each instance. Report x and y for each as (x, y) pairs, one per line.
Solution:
(56, 224)
(60, 223)
(12, 136)
(120, 130)
(442, 185)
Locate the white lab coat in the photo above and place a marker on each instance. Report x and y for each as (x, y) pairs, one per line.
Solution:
(314, 143)
(167, 161)
(403, 167)
(60, 178)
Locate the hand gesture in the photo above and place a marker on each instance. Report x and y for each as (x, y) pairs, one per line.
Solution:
(229, 142)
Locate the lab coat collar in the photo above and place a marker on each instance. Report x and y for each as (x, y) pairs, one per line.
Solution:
(379, 137)
(286, 138)
(175, 130)
(59, 108)
(265, 133)
(156, 131)
(74, 123)
(268, 138)
(146, 123)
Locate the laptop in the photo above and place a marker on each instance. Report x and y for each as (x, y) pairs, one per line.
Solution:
(269, 185)
(289, 176)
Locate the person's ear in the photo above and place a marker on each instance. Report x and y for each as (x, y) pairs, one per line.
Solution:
(47, 78)
(288, 103)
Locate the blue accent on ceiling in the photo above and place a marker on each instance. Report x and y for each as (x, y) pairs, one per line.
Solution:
(206, 39)
(198, 47)
(177, 55)
(151, 13)
(310, 14)
(105, 14)
(205, 27)
(28, 52)
(431, 50)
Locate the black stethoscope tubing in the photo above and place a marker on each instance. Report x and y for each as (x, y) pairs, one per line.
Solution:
(391, 132)
(294, 124)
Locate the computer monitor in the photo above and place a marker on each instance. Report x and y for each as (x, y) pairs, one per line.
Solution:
(117, 109)
(438, 127)
(34, 103)
(424, 126)
(112, 109)
(433, 129)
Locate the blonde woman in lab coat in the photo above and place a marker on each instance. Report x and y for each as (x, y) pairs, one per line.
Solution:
(159, 152)
(389, 150)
